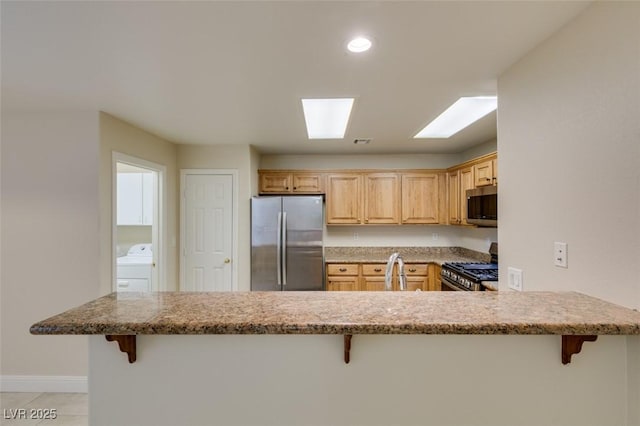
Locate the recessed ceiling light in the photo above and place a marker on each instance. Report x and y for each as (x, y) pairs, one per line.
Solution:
(462, 113)
(327, 118)
(359, 44)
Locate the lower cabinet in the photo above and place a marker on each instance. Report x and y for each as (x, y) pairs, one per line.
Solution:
(371, 277)
(343, 277)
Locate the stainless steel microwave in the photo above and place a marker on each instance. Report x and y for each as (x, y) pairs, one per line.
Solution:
(482, 206)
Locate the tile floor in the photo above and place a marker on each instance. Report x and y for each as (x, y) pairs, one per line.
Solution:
(71, 408)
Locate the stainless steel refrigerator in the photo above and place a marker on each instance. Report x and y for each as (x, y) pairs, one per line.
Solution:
(286, 243)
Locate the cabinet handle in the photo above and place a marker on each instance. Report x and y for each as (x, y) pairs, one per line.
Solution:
(412, 270)
(295, 187)
(487, 178)
(287, 188)
(378, 270)
(343, 269)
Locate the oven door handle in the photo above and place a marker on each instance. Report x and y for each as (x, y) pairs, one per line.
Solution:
(450, 285)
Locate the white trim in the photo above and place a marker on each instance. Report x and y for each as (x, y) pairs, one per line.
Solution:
(159, 230)
(234, 219)
(72, 384)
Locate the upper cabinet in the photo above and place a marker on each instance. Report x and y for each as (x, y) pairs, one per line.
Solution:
(134, 199)
(344, 191)
(421, 198)
(285, 182)
(381, 198)
(377, 197)
(486, 173)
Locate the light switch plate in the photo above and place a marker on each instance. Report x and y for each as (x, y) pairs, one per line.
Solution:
(560, 254)
(515, 278)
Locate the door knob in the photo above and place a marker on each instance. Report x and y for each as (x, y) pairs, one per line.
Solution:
(227, 260)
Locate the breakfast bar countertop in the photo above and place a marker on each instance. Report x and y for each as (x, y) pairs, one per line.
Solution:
(536, 313)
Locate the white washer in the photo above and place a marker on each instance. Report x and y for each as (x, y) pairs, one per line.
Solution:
(134, 269)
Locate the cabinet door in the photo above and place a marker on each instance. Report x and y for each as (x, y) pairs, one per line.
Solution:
(420, 199)
(335, 283)
(308, 183)
(483, 173)
(453, 183)
(435, 284)
(129, 199)
(381, 198)
(417, 276)
(466, 182)
(416, 282)
(274, 182)
(343, 199)
(373, 284)
(373, 278)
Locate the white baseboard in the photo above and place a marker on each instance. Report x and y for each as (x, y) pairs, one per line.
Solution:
(44, 384)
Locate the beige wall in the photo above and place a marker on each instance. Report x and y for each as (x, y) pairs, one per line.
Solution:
(50, 247)
(241, 159)
(569, 149)
(117, 135)
(399, 161)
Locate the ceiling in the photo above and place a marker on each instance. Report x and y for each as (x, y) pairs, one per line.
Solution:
(234, 72)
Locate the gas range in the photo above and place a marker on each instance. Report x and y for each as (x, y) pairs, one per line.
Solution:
(468, 276)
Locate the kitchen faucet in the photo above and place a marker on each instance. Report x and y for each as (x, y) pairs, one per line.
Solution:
(389, 272)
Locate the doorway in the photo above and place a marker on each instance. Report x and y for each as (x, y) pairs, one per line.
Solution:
(208, 230)
(137, 220)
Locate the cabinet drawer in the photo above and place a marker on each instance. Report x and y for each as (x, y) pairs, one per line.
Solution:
(342, 269)
(415, 269)
(374, 269)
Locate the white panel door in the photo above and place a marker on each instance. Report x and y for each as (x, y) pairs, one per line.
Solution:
(208, 228)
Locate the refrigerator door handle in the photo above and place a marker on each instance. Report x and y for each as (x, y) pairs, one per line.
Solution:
(279, 249)
(284, 248)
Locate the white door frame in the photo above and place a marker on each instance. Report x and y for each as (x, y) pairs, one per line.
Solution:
(159, 213)
(234, 219)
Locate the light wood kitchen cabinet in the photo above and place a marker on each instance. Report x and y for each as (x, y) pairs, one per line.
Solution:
(485, 173)
(466, 182)
(373, 277)
(453, 195)
(343, 203)
(335, 283)
(381, 198)
(420, 198)
(343, 277)
(308, 183)
(275, 182)
(435, 282)
(417, 276)
(458, 183)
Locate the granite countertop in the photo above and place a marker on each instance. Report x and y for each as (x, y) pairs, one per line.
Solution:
(437, 255)
(345, 313)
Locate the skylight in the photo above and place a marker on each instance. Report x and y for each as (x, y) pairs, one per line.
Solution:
(327, 118)
(462, 113)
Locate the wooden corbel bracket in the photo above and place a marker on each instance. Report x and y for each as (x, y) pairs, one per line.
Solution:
(347, 348)
(573, 345)
(127, 344)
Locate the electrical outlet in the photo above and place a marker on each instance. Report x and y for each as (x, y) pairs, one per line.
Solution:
(355, 235)
(560, 254)
(515, 278)
(435, 236)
